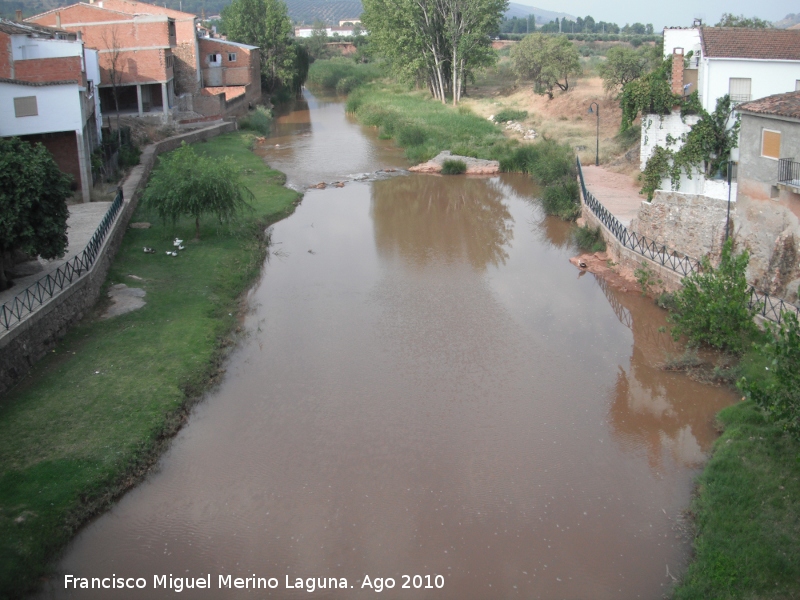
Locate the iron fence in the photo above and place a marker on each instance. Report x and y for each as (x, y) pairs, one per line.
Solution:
(680, 263)
(789, 172)
(769, 307)
(39, 292)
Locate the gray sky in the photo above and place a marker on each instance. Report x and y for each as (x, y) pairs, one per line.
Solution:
(669, 13)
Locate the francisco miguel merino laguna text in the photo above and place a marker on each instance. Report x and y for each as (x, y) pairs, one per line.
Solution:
(310, 584)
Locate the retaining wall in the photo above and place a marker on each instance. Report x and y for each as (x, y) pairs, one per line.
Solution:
(28, 341)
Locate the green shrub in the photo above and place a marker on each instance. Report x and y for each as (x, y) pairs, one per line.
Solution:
(509, 114)
(561, 199)
(777, 389)
(259, 120)
(410, 135)
(341, 74)
(589, 239)
(129, 156)
(454, 167)
(713, 306)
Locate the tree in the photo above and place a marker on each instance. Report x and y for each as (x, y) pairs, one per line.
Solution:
(33, 203)
(317, 43)
(622, 65)
(191, 184)
(731, 20)
(714, 305)
(266, 24)
(547, 61)
(438, 42)
(777, 389)
(114, 53)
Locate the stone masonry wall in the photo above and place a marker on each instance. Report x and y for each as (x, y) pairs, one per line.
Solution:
(26, 343)
(688, 223)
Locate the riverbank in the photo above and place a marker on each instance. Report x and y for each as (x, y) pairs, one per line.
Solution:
(89, 420)
(747, 513)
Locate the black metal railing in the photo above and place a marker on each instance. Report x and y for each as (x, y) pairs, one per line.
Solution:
(678, 262)
(769, 307)
(39, 292)
(789, 172)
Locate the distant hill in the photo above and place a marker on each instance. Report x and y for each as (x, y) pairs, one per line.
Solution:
(300, 11)
(788, 21)
(521, 11)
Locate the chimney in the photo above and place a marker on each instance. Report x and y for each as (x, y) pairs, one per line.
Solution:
(677, 71)
(58, 20)
(19, 16)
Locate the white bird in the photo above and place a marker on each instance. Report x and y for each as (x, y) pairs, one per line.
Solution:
(181, 248)
(149, 250)
(177, 242)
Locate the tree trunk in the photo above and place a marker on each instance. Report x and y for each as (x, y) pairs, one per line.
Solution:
(197, 228)
(4, 260)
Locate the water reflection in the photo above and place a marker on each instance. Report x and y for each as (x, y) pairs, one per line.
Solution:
(424, 219)
(658, 411)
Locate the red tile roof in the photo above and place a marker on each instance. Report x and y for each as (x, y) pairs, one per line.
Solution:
(780, 105)
(743, 42)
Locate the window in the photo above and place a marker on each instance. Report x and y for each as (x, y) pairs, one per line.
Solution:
(26, 106)
(770, 143)
(231, 56)
(212, 58)
(169, 61)
(797, 85)
(739, 89)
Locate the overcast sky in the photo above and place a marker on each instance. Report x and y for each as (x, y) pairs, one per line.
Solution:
(667, 13)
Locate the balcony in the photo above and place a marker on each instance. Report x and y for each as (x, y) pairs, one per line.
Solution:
(789, 174)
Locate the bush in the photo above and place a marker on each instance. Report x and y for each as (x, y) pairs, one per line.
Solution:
(454, 167)
(508, 114)
(562, 199)
(588, 239)
(777, 390)
(259, 120)
(341, 74)
(713, 306)
(410, 135)
(129, 156)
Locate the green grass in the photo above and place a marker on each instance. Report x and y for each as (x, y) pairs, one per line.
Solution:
(258, 120)
(342, 74)
(509, 114)
(747, 513)
(454, 167)
(588, 239)
(91, 416)
(425, 127)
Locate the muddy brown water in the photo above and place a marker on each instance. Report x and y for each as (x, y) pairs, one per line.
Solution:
(427, 387)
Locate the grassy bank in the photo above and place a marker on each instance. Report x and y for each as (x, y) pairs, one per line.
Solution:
(747, 513)
(91, 417)
(342, 75)
(425, 127)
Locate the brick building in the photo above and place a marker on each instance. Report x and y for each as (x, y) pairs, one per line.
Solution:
(47, 94)
(153, 56)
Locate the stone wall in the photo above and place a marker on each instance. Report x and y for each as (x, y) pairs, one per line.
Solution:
(27, 342)
(628, 261)
(688, 223)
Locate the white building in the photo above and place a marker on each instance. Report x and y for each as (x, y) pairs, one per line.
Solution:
(307, 32)
(746, 63)
(48, 95)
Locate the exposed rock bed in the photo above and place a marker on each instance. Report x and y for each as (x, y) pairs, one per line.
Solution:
(475, 166)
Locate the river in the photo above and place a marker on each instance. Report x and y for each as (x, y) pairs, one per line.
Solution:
(426, 386)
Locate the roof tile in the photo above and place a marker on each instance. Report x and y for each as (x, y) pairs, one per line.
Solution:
(780, 105)
(743, 42)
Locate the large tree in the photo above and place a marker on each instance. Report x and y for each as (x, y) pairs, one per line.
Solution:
(622, 65)
(547, 61)
(33, 203)
(193, 185)
(438, 42)
(732, 20)
(266, 24)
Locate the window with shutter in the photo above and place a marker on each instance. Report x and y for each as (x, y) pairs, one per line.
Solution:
(771, 143)
(25, 106)
(739, 89)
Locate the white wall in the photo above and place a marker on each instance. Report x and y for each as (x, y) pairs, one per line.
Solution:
(59, 108)
(768, 77)
(24, 47)
(93, 74)
(656, 128)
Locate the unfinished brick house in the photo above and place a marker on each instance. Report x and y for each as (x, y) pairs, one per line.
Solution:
(149, 55)
(47, 94)
(231, 74)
